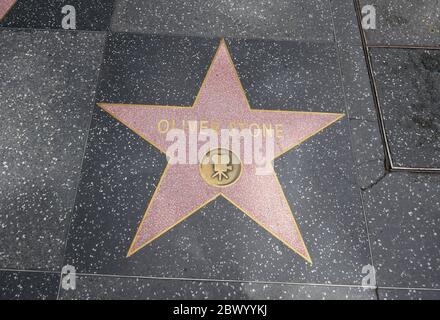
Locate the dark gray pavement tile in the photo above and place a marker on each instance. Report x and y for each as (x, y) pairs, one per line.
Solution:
(404, 223)
(279, 19)
(345, 22)
(92, 15)
(47, 84)
(104, 288)
(357, 84)
(22, 285)
(405, 22)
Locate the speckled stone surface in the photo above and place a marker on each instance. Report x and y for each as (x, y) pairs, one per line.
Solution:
(47, 84)
(357, 87)
(405, 22)
(368, 152)
(179, 82)
(103, 288)
(345, 22)
(335, 182)
(281, 19)
(28, 285)
(120, 173)
(132, 69)
(408, 83)
(366, 140)
(405, 294)
(289, 75)
(36, 14)
(404, 223)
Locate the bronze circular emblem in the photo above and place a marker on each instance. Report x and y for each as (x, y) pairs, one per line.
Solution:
(220, 167)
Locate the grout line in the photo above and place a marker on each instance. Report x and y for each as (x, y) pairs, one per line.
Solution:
(357, 12)
(224, 36)
(98, 275)
(223, 280)
(28, 271)
(52, 30)
(310, 284)
(86, 141)
(60, 281)
(351, 142)
(402, 46)
(178, 35)
(364, 214)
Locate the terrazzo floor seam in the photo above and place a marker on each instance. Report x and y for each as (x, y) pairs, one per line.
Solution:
(338, 44)
(231, 280)
(83, 151)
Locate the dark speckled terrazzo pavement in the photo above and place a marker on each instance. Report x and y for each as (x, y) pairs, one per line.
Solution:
(405, 22)
(91, 15)
(75, 182)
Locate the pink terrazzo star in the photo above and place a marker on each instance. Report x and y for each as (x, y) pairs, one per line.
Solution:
(182, 191)
(5, 6)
